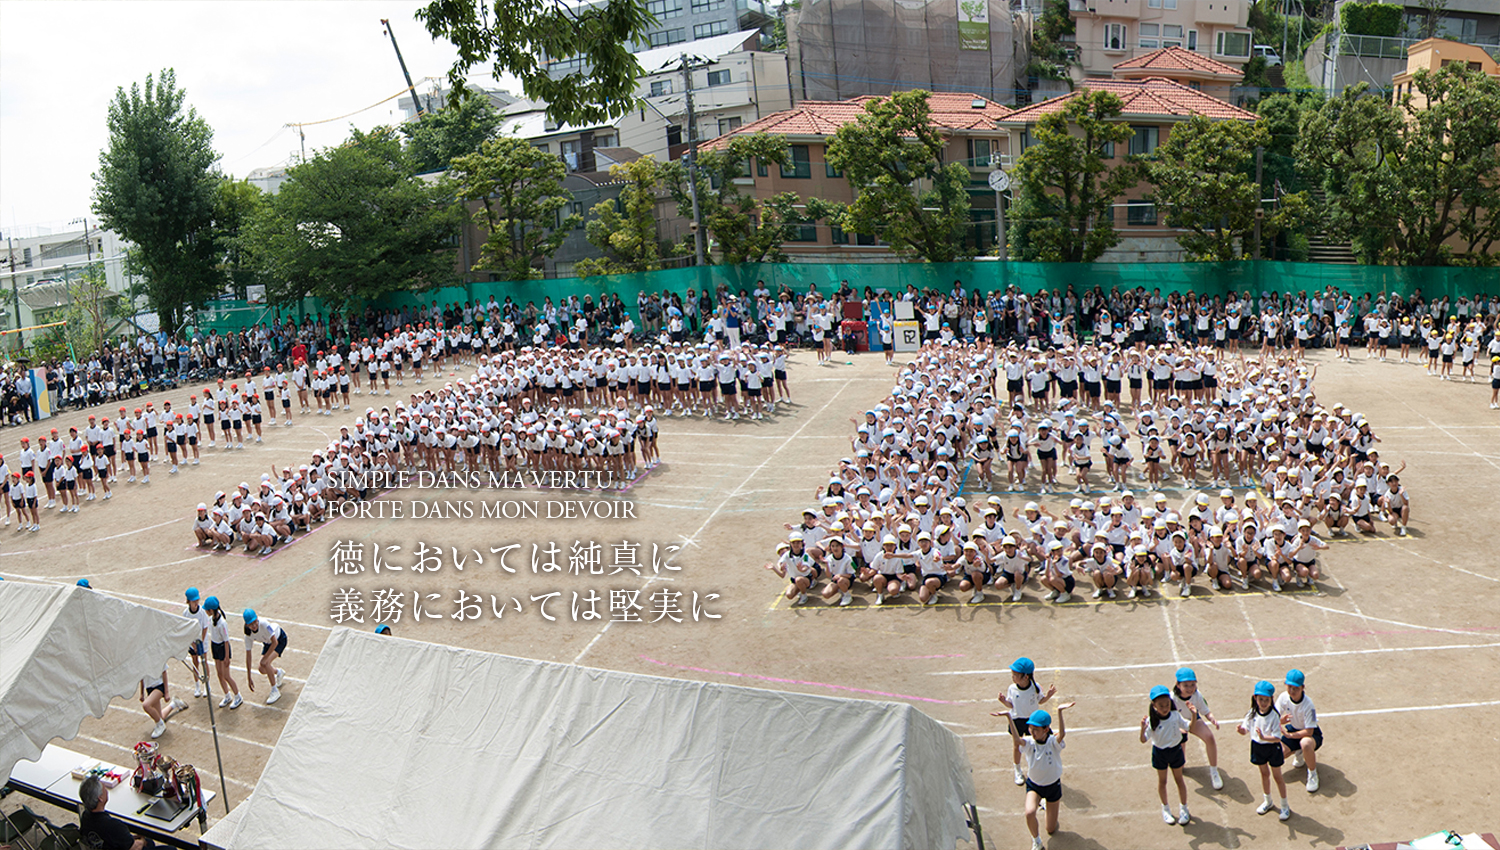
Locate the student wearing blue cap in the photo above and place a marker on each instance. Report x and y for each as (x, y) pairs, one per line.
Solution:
(383, 629)
(1186, 698)
(83, 582)
(1263, 726)
(273, 643)
(1043, 750)
(222, 650)
(1166, 731)
(1021, 699)
(194, 611)
(1302, 736)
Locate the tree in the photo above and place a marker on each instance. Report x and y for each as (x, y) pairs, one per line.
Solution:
(1051, 52)
(237, 203)
(156, 186)
(1203, 182)
(1067, 189)
(893, 156)
(354, 223)
(519, 188)
(625, 230)
(437, 138)
(519, 36)
(1432, 17)
(1404, 180)
(745, 230)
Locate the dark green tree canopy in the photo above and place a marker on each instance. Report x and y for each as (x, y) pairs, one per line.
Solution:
(893, 156)
(157, 187)
(436, 139)
(354, 223)
(519, 191)
(515, 35)
(1067, 185)
(743, 229)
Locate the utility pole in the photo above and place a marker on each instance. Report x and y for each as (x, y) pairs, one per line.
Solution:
(1260, 211)
(692, 129)
(415, 104)
(15, 293)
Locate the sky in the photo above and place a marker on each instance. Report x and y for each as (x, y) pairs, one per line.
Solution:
(249, 67)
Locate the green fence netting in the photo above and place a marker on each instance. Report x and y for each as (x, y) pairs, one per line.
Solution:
(1213, 279)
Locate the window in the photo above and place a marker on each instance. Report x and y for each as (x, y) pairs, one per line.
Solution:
(1232, 44)
(729, 125)
(667, 37)
(838, 236)
(566, 66)
(1192, 40)
(674, 135)
(1144, 140)
(1171, 35)
(604, 140)
(830, 171)
(706, 5)
(664, 9)
(800, 166)
(1025, 140)
(980, 153)
(720, 78)
(660, 87)
(569, 153)
(1195, 85)
(710, 29)
(1149, 33)
(1107, 150)
(1140, 213)
(865, 239)
(801, 233)
(1169, 4)
(573, 208)
(26, 258)
(760, 168)
(1114, 36)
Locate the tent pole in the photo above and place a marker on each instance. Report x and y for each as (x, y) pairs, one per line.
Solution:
(223, 784)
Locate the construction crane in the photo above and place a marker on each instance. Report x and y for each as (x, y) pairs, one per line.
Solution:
(416, 104)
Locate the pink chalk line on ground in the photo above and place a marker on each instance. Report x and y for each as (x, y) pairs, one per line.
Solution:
(792, 681)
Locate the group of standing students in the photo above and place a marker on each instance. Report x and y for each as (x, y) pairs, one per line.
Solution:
(1280, 727)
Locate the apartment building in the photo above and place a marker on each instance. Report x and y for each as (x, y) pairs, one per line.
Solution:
(973, 138)
(684, 21)
(1110, 32)
(1434, 54)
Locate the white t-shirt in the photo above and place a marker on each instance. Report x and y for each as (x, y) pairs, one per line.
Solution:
(268, 634)
(1169, 732)
(1044, 760)
(1303, 715)
(1023, 703)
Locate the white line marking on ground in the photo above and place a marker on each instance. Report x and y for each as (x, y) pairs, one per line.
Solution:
(91, 540)
(691, 539)
(1368, 618)
(1255, 658)
(1166, 619)
(1250, 626)
(173, 721)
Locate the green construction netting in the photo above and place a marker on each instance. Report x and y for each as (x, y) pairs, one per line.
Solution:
(1203, 278)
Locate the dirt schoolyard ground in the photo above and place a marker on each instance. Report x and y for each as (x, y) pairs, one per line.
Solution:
(1399, 643)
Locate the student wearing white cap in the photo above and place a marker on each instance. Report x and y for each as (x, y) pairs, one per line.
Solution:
(795, 564)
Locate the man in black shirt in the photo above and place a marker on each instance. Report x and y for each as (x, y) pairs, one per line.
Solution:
(99, 826)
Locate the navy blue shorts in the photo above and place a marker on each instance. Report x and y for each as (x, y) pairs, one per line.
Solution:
(1295, 744)
(1169, 757)
(1051, 793)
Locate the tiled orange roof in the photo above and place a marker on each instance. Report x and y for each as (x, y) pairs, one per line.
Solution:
(1153, 97)
(1170, 59)
(824, 117)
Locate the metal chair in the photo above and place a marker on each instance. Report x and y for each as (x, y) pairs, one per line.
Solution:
(14, 826)
(66, 837)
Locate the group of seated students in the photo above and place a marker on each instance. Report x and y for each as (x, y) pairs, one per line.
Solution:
(892, 517)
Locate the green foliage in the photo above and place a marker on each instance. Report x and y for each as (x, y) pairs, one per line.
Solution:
(1049, 53)
(778, 29)
(893, 156)
(1067, 189)
(354, 223)
(1281, 116)
(516, 35)
(1432, 17)
(519, 188)
(237, 205)
(746, 231)
(1205, 184)
(436, 139)
(626, 230)
(156, 186)
(1294, 73)
(1382, 19)
(1255, 74)
(1404, 181)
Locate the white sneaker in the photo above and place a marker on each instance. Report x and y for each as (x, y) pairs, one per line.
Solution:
(1275, 585)
(224, 703)
(880, 599)
(178, 704)
(977, 598)
(1265, 806)
(1215, 779)
(1166, 816)
(801, 598)
(237, 701)
(1110, 592)
(1297, 760)
(161, 726)
(198, 689)
(1098, 592)
(146, 479)
(846, 599)
(273, 696)
(1036, 844)
(1182, 816)
(1050, 595)
(1015, 594)
(173, 470)
(1286, 813)
(1187, 590)
(280, 676)
(1063, 597)
(1312, 782)
(931, 600)
(1020, 779)
(1131, 593)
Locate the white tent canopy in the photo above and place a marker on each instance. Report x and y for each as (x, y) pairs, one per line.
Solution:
(65, 652)
(396, 743)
